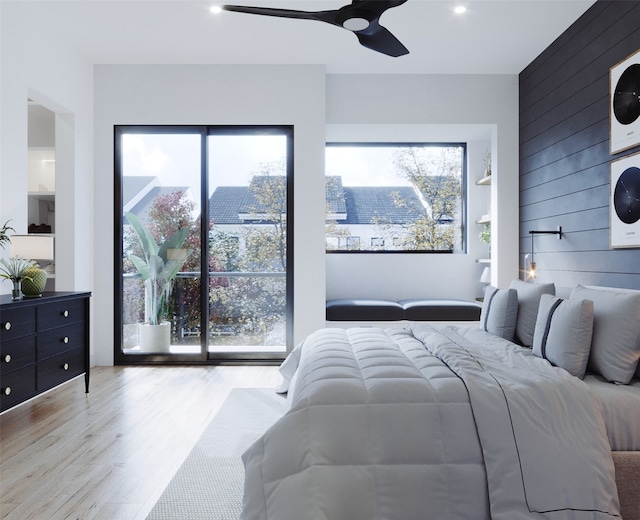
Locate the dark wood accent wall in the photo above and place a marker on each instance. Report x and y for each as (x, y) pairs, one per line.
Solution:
(564, 150)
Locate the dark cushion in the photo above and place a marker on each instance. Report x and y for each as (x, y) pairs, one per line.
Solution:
(431, 309)
(360, 309)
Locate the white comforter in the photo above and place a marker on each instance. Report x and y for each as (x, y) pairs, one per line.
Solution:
(448, 423)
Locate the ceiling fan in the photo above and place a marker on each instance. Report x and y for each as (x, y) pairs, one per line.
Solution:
(361, 17)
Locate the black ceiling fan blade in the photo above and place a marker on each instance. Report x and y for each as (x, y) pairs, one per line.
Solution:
(269, 11)
(375, 7)
(360, 17)
(378, 38)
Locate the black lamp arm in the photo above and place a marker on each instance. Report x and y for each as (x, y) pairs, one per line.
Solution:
(556, 232)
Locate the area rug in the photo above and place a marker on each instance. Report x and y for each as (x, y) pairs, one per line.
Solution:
(209, 484)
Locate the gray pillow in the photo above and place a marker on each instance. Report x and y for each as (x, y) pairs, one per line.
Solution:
(563, 333)
(528, 301)
(499, 312)
(615, 347)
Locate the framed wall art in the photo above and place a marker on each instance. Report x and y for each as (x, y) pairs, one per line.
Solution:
(624, 104)
(625, 202)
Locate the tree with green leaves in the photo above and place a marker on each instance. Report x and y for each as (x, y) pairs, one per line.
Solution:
(255, 305)
(436, 173)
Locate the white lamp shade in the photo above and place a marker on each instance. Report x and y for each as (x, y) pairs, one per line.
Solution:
(486, 275)
(32, 247)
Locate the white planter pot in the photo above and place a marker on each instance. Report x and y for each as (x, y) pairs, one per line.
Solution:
(155, 338)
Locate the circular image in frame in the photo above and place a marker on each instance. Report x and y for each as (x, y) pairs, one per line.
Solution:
(626, 97)
(626, 196)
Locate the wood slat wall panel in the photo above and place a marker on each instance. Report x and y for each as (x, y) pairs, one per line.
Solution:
(590, 178)
(586, 40)
(564, 150)
(589, 164)
(532, 74)
(582, 147)
(588, 261)
(589, 219)
(583, 199)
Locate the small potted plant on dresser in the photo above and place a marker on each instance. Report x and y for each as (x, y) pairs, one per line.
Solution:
(158, 267)
(16, 269)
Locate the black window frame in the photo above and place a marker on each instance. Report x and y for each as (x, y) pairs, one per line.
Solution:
(204, 357)
(463, 196)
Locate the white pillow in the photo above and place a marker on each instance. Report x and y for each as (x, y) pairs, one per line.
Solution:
(528, 302)
(563, 333)
(499, 312)
(615, 347)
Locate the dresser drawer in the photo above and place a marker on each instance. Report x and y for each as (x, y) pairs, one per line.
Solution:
(55, 341)
(17, 386)
(44, 342)
(17, 353)
(57, 314)
(59, 369)
(16, 322)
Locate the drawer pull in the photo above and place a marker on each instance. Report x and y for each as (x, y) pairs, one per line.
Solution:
(65, 339)
(65, 366)
(65, 314)
(7, 358)
(7, 391)
(7, 325)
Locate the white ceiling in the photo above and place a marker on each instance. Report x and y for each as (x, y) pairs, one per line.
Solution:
(492, 37)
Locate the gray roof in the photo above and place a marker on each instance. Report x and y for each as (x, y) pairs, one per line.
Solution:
(362, 205)
(334, 194)
(366, 204)
(227, 202)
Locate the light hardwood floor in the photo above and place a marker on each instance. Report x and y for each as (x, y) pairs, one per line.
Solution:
(108, 455)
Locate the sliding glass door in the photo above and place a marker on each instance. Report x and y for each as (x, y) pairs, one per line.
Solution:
(205, 271)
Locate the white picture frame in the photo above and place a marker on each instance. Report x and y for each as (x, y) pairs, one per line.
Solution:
(624, 104)
(624, 202)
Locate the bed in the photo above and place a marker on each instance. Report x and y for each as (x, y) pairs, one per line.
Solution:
(533, 414)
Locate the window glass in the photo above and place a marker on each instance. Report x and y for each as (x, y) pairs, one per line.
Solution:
(395, 197)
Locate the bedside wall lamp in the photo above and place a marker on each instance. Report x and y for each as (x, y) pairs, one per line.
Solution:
(531, 268)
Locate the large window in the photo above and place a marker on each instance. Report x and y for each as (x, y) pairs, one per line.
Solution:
(383, 197)
(205, 269)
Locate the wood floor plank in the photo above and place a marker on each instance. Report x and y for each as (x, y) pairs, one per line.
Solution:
(108, 455)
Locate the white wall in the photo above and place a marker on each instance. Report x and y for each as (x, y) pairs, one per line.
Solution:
(482, 110)
(36, 64)
(225, 95)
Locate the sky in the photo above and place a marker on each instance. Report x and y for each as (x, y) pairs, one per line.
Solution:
(175, 159)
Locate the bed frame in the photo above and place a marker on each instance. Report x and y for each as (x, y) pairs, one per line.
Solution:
(627, 465)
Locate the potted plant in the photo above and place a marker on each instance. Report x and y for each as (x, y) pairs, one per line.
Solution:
(485, 234)
(158, 267)
(14, 269)
(4, 237)
(486, 159)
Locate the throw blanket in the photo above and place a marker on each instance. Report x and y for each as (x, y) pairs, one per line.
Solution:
(430, 423)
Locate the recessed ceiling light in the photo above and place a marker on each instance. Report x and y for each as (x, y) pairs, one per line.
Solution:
(460, 9)
(215, 9)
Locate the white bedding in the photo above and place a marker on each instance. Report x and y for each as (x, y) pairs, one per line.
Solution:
(430, 423)
(621, 405)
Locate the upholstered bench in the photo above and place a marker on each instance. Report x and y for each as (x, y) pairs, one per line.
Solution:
(423, 309)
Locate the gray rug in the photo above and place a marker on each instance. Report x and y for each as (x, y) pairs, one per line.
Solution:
(209, 484)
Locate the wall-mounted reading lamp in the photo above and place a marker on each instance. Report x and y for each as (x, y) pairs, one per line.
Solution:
(531, 271)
